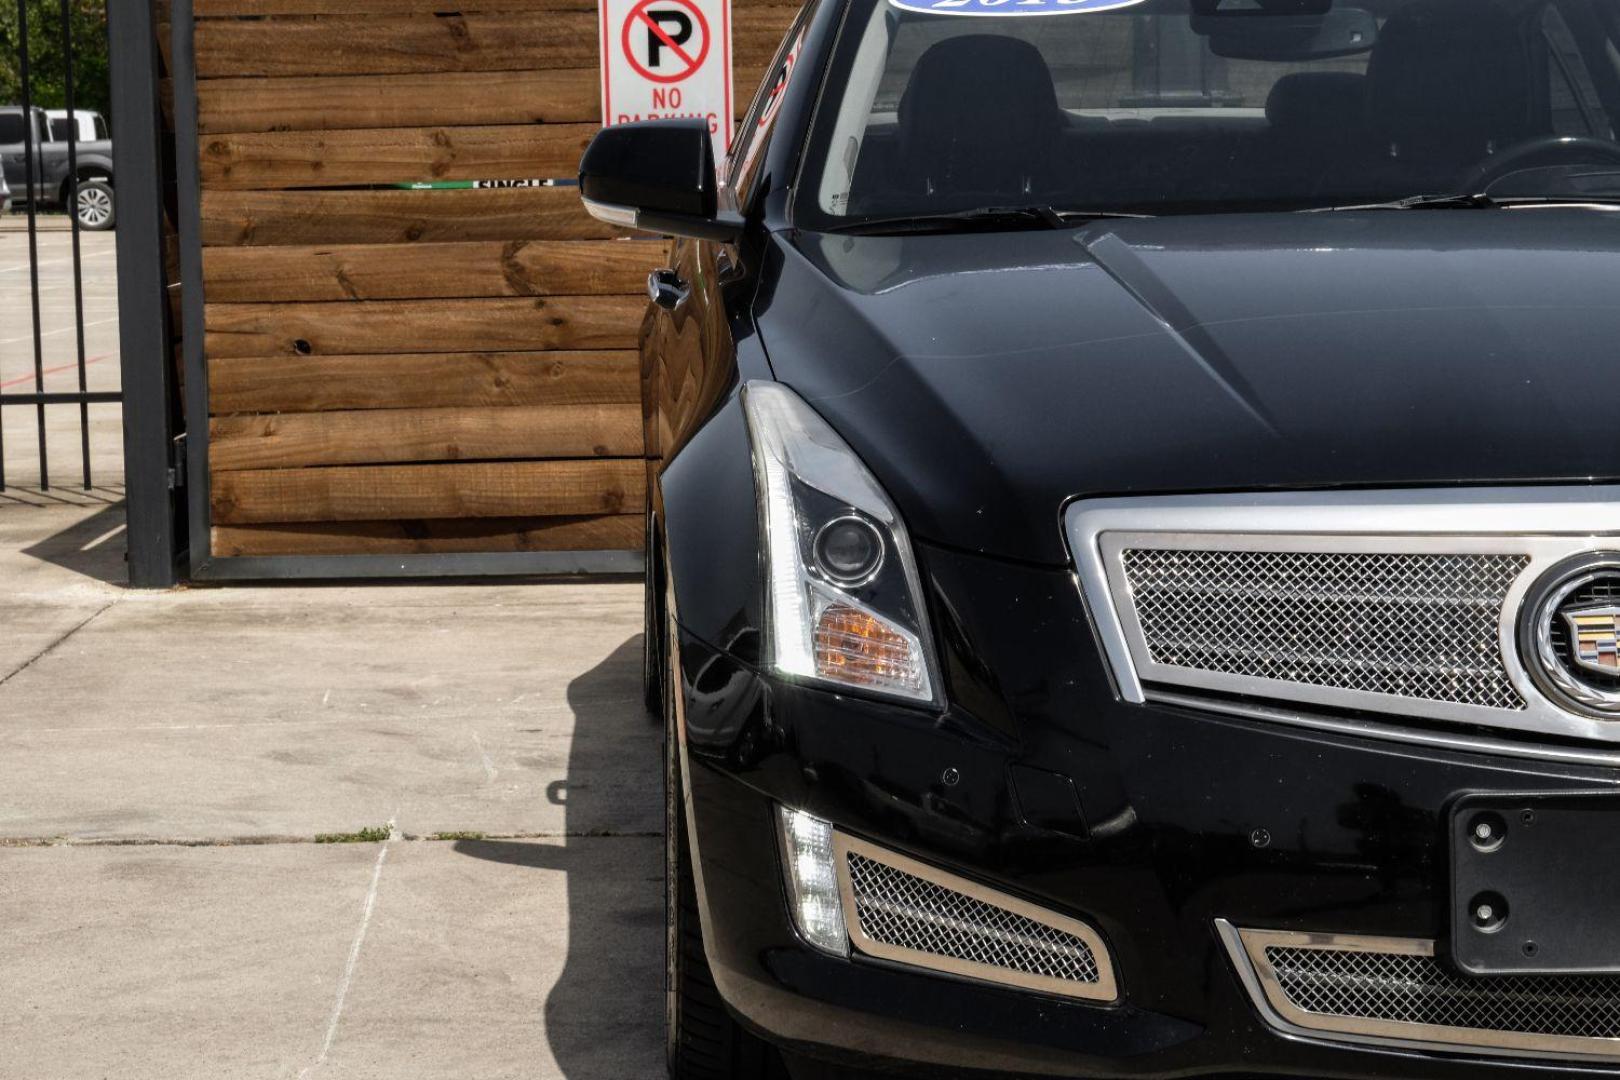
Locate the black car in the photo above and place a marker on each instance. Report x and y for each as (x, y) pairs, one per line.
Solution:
(1134, 550)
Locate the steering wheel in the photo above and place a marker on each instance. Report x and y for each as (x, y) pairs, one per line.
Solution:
(1577, 147)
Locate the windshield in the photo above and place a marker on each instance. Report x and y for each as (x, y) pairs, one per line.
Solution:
(1199, 106)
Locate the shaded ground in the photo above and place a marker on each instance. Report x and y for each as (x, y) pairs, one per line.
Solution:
(167, 760)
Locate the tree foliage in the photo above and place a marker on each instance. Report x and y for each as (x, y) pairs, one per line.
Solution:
(46, 60)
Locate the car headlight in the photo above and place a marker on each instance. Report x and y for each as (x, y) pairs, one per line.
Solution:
(844, 603)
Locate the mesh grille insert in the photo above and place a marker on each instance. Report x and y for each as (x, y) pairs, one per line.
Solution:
(1419, 990)
(908, 912)
(1408, 625)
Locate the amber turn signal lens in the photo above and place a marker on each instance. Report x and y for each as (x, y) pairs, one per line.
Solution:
(860, 649)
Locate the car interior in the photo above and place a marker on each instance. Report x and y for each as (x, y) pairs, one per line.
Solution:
(1248, 108)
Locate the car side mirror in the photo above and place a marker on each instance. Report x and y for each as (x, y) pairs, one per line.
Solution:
(656, 176)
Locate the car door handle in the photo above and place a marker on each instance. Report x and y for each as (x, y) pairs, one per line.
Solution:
(666, 289)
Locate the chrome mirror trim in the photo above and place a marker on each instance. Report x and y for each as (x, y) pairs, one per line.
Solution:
(625, 217)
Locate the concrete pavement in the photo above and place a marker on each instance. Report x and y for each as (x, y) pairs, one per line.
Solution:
(168, 760)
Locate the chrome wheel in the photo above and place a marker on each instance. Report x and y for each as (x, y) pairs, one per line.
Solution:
(95, 205)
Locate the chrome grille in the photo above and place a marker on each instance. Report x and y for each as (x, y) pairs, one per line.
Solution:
(1394, 991)
(1411, 989)
(908, 912)
(1417, 626)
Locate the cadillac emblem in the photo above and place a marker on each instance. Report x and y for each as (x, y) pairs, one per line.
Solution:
(1568, 630)
(1592, 634)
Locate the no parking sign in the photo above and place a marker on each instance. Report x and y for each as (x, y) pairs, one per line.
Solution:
(667, 58)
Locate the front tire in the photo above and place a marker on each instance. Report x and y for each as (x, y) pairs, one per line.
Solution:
(652, 652)
(701, 1039)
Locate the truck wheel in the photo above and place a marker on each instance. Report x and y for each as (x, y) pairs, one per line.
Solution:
(701, 1040)
(96, 208)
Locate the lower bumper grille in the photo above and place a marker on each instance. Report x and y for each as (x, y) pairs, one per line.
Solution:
(901, 910)
(1396, 990)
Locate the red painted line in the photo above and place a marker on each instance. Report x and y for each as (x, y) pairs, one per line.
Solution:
(53, 370)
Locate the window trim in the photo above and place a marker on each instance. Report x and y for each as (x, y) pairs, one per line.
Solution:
(750, 129)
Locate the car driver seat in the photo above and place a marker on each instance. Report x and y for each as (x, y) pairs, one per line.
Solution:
(1447, 86)
(980, 118)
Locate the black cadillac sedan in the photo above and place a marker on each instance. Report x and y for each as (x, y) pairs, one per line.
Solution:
(1134, 541)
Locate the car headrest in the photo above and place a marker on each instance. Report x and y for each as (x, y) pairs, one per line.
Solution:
(982, 95)
(1317, 104)
(1448, 74)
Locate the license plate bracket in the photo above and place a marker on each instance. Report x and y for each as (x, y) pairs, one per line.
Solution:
(1535, 884)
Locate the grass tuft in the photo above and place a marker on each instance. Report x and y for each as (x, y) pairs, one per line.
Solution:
(457, 836)
(372, 835)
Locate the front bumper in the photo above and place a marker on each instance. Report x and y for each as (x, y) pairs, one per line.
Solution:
(1186, 817)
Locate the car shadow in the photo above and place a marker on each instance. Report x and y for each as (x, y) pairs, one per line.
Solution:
(604, 1015)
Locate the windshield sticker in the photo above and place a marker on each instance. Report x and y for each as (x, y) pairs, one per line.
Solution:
(1012, 8)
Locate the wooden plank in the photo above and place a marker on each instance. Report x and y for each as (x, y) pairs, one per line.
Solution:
(291, 159)
(380, 436)
(420, 380)
(618, 532)
(311, 103)
(396, 217)
(471, 490)
(392, 272)
(396, 44)
(392, 326)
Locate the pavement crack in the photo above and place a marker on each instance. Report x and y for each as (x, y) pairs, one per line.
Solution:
(53, 646)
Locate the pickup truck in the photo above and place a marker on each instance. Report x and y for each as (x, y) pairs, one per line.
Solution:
(55, 170)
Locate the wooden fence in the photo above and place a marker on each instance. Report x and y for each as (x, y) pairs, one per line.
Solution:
(399, 371)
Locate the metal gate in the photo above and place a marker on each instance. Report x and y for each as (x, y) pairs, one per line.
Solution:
(126, 186)
(32, 182)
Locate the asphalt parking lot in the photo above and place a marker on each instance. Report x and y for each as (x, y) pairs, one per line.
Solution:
(170, 764)
(58, 356)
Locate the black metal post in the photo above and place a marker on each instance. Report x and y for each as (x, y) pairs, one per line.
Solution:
(155, 526)
(73, 216)
(188, 203)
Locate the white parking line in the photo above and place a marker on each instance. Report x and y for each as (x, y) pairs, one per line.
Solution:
(52, 333)
(489, 766)
(59, 262)
(354, 959)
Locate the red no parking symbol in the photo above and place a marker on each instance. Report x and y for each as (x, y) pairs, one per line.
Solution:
(658, 39)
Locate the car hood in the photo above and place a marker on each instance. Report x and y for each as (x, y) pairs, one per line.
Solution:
(988, 378)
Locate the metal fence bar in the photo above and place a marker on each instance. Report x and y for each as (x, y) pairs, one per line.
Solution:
(73, 217)
(66, 397)
(33, 176)
(156, 529)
